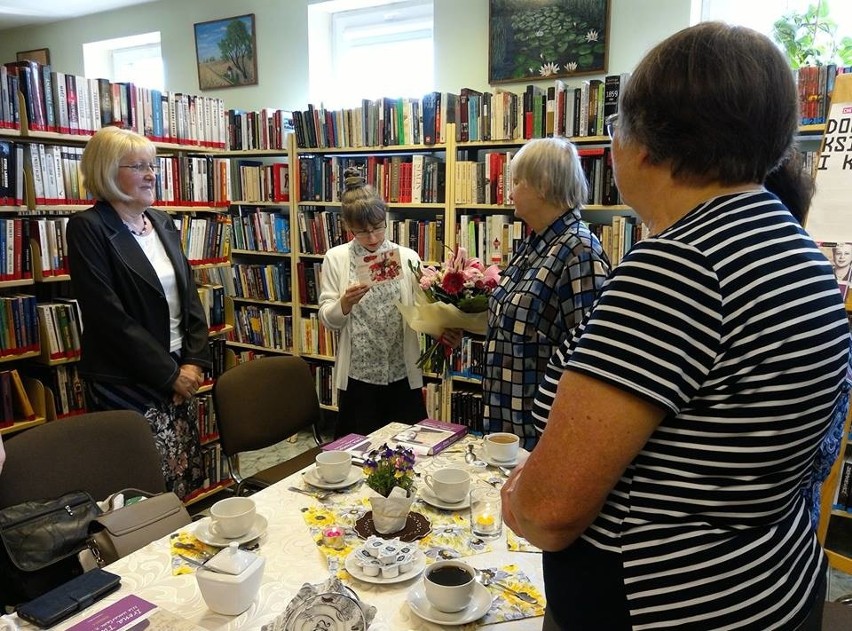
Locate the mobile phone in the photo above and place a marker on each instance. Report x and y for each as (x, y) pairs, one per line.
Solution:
(69, 598)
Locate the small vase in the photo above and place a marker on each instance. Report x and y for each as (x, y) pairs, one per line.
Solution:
(391, 513)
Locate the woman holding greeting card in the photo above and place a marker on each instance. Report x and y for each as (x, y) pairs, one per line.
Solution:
(376, 363)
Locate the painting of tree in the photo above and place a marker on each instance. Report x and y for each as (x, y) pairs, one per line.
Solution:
(539, 39)
(226, 52)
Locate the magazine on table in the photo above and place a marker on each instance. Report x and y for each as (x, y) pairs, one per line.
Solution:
(429, 436)
(134, 614)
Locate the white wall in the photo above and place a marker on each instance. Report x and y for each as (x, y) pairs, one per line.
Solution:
(461, 42)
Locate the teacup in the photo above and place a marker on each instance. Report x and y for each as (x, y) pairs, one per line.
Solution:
(449, 485)
(232, 517)
(333, 466)
(502, 446)
(449, 585)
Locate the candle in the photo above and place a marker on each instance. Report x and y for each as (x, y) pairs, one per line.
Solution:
(333, 537)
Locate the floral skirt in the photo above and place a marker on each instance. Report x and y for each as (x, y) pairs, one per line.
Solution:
(173, 426)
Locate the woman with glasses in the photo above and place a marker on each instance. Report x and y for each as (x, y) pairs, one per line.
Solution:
(144, 342)
(376, 365)
(686, 410)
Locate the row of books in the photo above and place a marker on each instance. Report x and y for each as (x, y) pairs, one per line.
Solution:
(320, 230)
(556, 110)
(433, 394)
(309, 277)
(618, 236)
(205, 418)
(484, 180)
(324, 376)
(70, 104)
(15, 404)
(315, 338)
(11, 176)
(412, 179)
(60, 327)
(815, 85)
(264, 129)
(218, 356)
(466, 408)
(259, 182)
(213, 302)
(63, 386)
(270, 282)
(843, 494)
(214, 466)
(262, 230)
(263, 326)
(216, 275)
(16, 258)
(492, 238)
(19, 325)
(205, 240)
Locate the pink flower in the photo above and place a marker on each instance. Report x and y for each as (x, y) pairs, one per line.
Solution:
(492, 276)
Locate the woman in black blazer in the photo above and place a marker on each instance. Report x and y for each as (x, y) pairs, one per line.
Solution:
(144, 342)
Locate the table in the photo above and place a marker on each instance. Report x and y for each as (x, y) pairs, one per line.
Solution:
(292, 559)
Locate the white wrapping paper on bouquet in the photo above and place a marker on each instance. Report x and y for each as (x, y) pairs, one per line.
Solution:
(433, 318)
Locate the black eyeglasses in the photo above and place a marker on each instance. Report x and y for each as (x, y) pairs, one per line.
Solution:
(366, 234)
(141, 167)
(610, 124)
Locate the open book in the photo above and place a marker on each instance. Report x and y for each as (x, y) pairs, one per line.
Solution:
(430, 436)
(378, 267)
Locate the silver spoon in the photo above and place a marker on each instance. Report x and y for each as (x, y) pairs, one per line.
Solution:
(319, 495)
(470, 457)
(486, 577)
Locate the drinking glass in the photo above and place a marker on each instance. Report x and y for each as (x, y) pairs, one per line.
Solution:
(486, 516)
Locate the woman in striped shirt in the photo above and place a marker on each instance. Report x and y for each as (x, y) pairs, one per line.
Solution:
(684, 414)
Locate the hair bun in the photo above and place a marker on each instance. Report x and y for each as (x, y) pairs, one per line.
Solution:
(353, 179)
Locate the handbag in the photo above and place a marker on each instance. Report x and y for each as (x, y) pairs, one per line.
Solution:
(119, 532)
(40, 542)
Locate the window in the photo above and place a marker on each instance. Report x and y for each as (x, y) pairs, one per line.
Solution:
(136, 59)
(384, 49)
(762, 14)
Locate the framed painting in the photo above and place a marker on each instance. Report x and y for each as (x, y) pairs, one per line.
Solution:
(226, 52)
(538, 39)
(41, 55)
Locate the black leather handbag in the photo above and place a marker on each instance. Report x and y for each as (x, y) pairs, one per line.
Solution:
(40, 542)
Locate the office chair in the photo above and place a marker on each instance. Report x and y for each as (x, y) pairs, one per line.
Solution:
(99, 452)
(260, 403)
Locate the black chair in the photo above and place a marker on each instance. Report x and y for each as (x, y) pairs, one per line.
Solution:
(99, 452)
(263, 402)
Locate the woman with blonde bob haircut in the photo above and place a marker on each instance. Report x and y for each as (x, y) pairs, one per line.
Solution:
(145, 334)
(546, 287)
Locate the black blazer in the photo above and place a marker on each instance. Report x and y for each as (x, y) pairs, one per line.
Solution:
(125, 312)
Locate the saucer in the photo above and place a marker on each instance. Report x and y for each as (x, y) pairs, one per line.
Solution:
(206, 535)
(478, 607)
(523, 454)
(356, 572)
(312, 477)
(427, 496)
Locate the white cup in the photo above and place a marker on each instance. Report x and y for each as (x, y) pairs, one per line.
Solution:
(449, 585)
(502, 446)
(232, 517)
(449, 485)
(334, 466)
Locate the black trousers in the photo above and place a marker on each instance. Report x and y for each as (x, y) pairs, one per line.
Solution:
(365, 407)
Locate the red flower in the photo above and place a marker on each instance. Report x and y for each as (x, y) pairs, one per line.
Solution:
(453, 282)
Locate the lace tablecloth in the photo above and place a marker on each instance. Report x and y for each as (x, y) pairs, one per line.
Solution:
(294, 558)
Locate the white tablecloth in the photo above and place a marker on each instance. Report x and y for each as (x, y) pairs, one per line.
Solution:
(292, 559)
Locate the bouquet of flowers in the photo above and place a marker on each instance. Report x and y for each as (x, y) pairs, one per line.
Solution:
(390, 468)
(454, 296)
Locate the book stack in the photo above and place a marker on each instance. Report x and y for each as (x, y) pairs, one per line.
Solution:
(429, 436)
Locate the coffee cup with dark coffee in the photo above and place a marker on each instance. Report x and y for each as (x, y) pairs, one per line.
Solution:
(449, 585)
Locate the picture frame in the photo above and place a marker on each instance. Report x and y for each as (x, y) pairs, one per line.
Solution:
(226, 52)
(546, 39)
(40, 55)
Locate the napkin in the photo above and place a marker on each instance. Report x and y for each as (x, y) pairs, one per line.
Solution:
(506, 606)
(184, 543)
(332, 585)
(516, 543)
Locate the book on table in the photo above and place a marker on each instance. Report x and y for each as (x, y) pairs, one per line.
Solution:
(356, 444)
(133, 613)
(429, 436)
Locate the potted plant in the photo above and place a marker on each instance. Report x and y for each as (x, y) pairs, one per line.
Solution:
(390, 473)
(810, 38)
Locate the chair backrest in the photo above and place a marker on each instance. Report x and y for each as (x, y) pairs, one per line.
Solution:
(263, 401)
(100, 453)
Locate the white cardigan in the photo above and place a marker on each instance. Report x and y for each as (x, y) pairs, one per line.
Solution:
(335, 280)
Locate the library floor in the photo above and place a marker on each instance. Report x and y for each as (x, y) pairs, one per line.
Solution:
(839, 583)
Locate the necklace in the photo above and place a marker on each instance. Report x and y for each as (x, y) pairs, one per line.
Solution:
(144, 226)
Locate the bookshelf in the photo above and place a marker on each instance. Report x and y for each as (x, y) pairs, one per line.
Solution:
(40, 159)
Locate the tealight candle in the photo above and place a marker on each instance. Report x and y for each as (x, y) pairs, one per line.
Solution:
(333, 537)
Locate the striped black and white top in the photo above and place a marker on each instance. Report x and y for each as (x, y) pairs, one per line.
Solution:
(732, 321)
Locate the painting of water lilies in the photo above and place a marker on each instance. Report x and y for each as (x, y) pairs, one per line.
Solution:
(540, 39)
